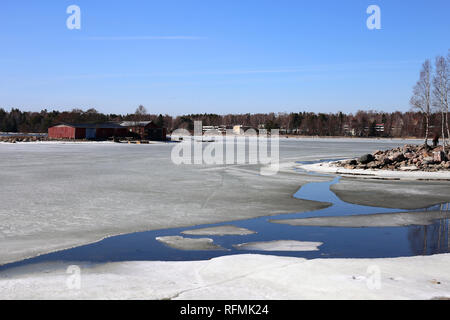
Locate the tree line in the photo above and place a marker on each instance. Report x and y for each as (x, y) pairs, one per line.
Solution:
(361, 124)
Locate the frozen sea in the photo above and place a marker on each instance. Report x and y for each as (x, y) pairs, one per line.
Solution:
(60, 196)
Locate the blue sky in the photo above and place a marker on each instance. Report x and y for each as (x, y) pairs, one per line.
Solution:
(196, 56)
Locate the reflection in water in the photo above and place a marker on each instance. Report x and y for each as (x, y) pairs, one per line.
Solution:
(431, 239)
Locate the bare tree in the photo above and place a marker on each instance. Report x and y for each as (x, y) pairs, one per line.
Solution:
(141, 111)
(140, 114)
(448, 92)
(440, 93)
(421, 99)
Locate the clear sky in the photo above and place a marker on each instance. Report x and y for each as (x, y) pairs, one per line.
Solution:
(217, 56)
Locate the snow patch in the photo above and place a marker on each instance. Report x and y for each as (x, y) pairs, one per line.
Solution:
(280, 245)
(245, 277)
(182, 243)
(219, 231)
(330, 167)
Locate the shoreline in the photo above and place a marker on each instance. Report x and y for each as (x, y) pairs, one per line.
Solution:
(281, 136)
(330, 168)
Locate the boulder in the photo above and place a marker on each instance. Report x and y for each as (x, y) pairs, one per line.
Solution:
(439, 156)
(351, 162)
(397, 157)
(367, 158)
(409, 155)
(407, 149)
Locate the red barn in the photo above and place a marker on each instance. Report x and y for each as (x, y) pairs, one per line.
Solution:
(86, 131)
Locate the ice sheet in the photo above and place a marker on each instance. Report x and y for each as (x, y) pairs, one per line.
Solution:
(245, 277)
(59, 195)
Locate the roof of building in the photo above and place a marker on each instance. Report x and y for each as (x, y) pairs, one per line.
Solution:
(135, 123)
(107, 125)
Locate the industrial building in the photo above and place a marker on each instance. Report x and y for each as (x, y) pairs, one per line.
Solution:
(87, 131)
(145, 130)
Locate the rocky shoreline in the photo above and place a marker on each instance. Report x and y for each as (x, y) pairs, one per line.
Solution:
(406, 158)
(15, 139)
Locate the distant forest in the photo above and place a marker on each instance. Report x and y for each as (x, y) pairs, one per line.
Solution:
(361, 124)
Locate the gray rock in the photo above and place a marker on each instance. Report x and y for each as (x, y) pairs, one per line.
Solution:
(439, 156)
(397, 157)
(367, 158)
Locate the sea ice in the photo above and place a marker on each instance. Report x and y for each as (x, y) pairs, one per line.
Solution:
(182, 243)
(371, 220)
(56, 196)
(227, 230)
(244, 277)
(280, 245)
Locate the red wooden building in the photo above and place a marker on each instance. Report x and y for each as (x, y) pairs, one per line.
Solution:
(87, 131)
